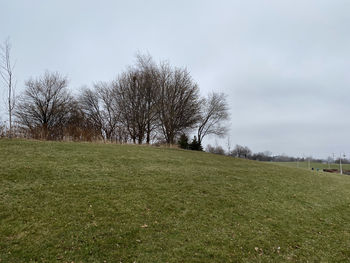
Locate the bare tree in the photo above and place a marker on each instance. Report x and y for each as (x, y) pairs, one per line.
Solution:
(6, 73)
(2, 129)
(155, 98)
(44, 107)
(178, 101)
(90, 105)
(110, 114)
(131, 102)
(241, 152)
(79, 127)
(214, 112)
(136, 92)
(215, 149)
(228, 143)
(99, 107)
(149, 73)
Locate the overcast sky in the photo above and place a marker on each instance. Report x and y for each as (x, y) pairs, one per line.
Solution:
(284, 65)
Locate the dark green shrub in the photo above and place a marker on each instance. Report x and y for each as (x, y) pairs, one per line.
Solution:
(195, 145)
(183, 141)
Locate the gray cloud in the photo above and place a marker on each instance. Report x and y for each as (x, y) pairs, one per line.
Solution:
(283, 64)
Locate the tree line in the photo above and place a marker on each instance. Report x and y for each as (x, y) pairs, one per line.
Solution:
(245, 152)
(148, 102)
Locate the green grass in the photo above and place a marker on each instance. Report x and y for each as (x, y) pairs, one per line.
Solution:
(82, 202)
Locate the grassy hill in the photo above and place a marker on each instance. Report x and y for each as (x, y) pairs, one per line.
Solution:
(82, 202)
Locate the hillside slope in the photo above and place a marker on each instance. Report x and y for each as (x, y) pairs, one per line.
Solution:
(87, 202)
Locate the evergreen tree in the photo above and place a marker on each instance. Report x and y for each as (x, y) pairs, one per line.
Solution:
(183, 141)
(195, 145)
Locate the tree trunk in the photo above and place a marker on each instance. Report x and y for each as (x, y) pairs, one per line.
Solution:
(148, 138)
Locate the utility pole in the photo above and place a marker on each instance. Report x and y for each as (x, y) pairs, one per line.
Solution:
(340, 165)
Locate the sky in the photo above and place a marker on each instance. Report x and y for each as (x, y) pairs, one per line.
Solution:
(284, 65)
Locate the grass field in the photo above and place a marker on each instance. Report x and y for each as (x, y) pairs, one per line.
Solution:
(82, 202)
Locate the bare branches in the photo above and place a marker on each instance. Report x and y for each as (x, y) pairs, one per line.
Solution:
(177, 102)
(99, 108)
(241, 152)
(6, 73)
(214, 112)
(44, 107)
(156, 98)
(135, 92)
(148, 101)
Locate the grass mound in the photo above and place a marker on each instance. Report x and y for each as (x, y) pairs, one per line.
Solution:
(87, 202)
